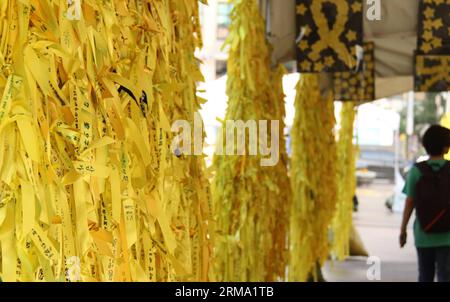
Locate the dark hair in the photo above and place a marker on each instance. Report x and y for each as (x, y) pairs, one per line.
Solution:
(436, 139)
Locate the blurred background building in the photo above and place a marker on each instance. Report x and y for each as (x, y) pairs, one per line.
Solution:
(215, 19)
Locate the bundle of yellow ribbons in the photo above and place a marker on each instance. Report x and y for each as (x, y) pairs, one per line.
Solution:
(90, 190)
(251, 202)
(342, 222)
(313, 177)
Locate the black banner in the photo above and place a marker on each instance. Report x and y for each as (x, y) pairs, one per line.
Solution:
(222, 291)
(434, 27)
(328, 32)
(431, 65)
(358, 86)
(432, 73)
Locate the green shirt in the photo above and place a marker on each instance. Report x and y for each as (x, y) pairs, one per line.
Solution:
(422, 239)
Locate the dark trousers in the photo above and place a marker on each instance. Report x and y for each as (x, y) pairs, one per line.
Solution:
(432, 261)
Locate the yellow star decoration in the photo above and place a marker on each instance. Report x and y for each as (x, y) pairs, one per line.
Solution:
(318, 66)
(356, 7)
(429, 13)
(427, 35)
(426, 47)
(351, 36)
(428, 25)
(437, 42)
(303, 45)
(301, 9)
(314, 56)
(345, 84)
(305, 65)
(329, 61)
(438, 23)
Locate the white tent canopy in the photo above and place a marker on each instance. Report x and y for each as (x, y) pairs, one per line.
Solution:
(395, 38)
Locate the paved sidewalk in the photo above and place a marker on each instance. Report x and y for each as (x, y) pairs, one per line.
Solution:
(379, 230)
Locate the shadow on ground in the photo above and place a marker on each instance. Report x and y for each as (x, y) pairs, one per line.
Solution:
(379, 230)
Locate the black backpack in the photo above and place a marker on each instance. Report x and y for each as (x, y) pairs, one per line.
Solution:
(432, 198)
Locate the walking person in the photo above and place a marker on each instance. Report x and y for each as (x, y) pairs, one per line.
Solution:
(428, 193)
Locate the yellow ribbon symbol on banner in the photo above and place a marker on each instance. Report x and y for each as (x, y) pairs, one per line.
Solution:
(437, 73)
(329, 38)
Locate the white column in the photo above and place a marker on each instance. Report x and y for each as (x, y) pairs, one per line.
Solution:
(410, 114)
